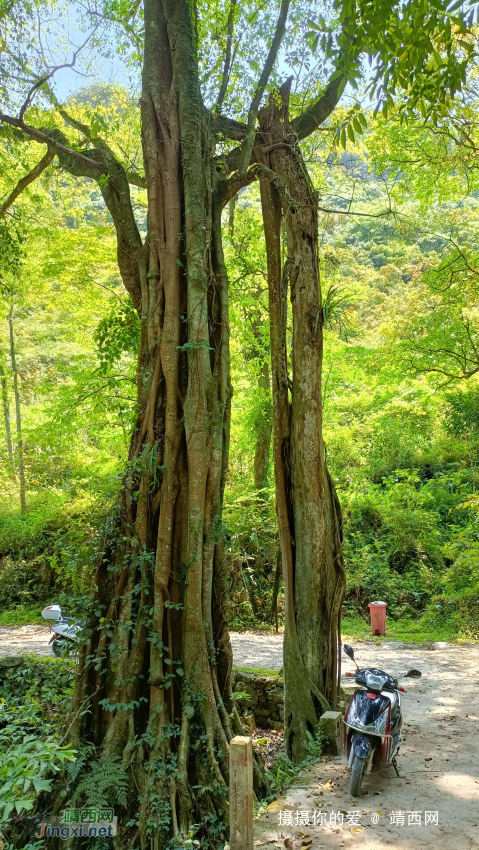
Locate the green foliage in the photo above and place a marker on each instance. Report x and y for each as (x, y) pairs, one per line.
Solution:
(283, 771)
(11, 250)
(418, 52)
(105, 783)
(22, 771)
(36, 700)
(117, 333)
(462, 412)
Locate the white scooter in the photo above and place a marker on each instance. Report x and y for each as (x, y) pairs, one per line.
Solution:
(64, 639)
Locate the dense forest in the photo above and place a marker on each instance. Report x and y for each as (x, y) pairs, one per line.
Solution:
(238, 357)
(398, 254)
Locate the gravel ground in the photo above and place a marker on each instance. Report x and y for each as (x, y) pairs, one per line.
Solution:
(438, 763)
(256, 650)
(250, 650)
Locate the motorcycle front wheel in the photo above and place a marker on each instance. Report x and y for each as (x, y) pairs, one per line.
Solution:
(61, 647)
(357, 771)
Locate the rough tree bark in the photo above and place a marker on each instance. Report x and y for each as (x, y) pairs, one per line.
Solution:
(153, 683)
(156, 669)
(309, 514)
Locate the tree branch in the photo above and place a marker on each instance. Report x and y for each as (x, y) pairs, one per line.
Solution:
(44, 139)
(316, 113)
(29, 178)
(227, 63)
(262, 83)
(230, 128)
(258, 171)
(136, 179)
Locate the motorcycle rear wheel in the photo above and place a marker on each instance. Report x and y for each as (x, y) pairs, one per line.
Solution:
(357, 771)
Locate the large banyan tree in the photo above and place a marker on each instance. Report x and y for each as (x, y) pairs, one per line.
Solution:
(153, 688)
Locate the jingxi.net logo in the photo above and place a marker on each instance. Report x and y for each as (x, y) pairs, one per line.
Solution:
(79, 823)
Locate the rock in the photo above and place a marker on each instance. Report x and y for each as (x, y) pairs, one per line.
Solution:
(249, 723)
(440, 644)
(276, 696)
(330, 724)
(246, 677)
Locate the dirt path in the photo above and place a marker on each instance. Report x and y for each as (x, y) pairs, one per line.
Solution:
(439, 759)
(250, 650)
(438, 763)
(17, 639)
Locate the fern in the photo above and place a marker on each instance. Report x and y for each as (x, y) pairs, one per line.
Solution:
(74, 768)
(107, 782)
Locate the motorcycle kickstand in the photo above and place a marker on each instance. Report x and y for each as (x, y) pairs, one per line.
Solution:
(394, 763)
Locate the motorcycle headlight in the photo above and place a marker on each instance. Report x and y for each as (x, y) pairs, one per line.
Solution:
(375, 682)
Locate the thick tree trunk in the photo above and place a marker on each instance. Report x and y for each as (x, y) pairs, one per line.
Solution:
(156, 669)
(18, 416)
(309, 515)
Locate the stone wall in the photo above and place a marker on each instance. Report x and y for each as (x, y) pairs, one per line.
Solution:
(263, 701)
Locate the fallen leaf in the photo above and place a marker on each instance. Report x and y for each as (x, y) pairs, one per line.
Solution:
(320, 805)
(429, 758)
(307, 843)
(304, 834)
(258, 843)
(288, 842)
(356, 829)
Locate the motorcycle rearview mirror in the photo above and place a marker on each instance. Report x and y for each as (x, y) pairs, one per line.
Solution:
(350, 653)
(413, 674)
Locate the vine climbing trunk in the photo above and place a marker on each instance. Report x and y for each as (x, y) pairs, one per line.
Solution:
(309, 514)
(155, 672)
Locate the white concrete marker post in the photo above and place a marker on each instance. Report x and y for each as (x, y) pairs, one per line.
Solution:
(241, 793)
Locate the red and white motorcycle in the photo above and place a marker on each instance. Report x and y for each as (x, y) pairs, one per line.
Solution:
(373, 722)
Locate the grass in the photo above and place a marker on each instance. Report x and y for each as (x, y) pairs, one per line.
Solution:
(407, 630)
(259, 671)
(24, 615)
